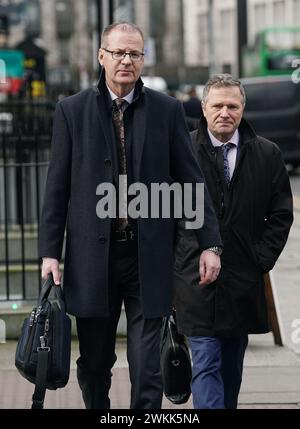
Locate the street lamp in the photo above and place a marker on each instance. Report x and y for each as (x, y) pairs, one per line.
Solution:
(105, 13)
(242, 31)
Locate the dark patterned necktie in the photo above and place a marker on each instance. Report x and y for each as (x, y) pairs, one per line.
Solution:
(119, 105)
(225, 149)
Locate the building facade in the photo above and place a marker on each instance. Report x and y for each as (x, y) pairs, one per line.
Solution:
(186, 40)
(211, 32)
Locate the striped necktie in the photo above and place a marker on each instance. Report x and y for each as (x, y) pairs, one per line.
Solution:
(225, 149)
(119, 105)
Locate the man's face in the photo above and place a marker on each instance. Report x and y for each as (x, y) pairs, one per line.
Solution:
(223, 111)
(121, 75)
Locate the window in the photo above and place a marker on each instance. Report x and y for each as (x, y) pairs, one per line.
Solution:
(33, 19)
(64, 18)
(203, 39)
(283, 39)
(227, 53)
(279, 13)
(259, 17)
(296, 11)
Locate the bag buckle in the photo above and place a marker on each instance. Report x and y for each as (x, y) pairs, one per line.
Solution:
(40, 349)
(122, 235)
(43, 345)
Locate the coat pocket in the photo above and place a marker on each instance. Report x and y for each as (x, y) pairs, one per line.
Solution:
(263, 268)
(187, 250)
(180, 251)
(240, 303)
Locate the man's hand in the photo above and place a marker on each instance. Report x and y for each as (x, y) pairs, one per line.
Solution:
(51, 265)
(209, 267)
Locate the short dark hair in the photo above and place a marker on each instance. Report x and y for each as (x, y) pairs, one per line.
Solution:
(122, 26)
(222, 80)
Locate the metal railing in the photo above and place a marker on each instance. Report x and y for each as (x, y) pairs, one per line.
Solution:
(25, 137)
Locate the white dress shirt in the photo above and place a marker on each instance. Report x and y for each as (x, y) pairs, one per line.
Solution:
(128, 97)
(232, 153)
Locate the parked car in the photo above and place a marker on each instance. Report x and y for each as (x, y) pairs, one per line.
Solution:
(273, 109)
(155, 82)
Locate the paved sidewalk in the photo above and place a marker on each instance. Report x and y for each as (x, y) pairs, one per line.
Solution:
(271, 375)
(271, 379)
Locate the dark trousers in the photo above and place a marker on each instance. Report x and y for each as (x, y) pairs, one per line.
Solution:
(97, 337)
(217, 371)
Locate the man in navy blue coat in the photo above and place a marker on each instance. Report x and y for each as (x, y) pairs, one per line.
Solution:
(107, 264)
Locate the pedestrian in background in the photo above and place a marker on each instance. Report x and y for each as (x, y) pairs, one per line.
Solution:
(193, 109)
(249, 185)
(192, 106)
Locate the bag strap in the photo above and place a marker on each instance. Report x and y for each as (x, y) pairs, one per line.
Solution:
(41, 378)
(43, 351)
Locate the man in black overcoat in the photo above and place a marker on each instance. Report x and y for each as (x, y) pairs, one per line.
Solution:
(118, 130)
(249, 185)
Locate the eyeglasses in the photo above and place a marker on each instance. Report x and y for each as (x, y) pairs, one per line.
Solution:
(120, 55)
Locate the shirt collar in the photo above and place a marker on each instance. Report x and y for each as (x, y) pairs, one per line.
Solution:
(234, 139)
(128, 97)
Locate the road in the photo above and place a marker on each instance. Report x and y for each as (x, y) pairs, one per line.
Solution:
(287, 269)
(295, 183)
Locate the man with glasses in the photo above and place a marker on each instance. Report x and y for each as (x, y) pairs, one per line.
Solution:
(119, 128)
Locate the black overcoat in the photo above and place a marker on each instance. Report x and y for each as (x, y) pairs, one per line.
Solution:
(255, 216)
(84, 156)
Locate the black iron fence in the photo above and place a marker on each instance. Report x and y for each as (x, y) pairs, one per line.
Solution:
(25, 137)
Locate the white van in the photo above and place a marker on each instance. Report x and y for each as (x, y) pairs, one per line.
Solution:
(155, 82)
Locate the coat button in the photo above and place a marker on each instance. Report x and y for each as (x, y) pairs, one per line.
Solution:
(107, 162)
(102, 239)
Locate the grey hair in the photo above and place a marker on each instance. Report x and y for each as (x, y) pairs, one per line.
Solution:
(220, 81)
(127, 27)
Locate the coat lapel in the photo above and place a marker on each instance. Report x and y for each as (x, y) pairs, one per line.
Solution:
(139, 132)
(139, 128)
(109, 135)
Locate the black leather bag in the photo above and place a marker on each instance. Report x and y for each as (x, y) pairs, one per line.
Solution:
(175, 362)
(44, 348)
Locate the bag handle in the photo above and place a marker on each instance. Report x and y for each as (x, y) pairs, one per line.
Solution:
(46, 289)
